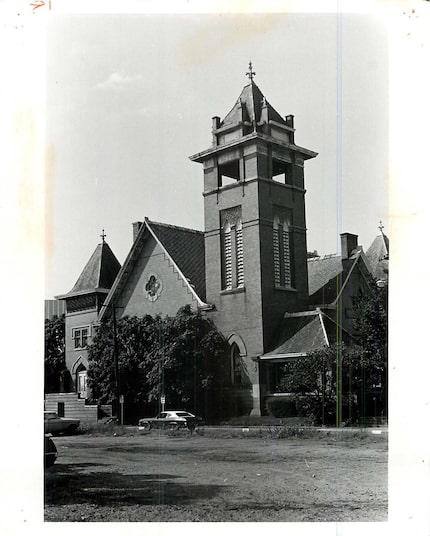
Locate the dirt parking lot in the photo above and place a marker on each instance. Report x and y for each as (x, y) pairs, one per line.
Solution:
(162, 477)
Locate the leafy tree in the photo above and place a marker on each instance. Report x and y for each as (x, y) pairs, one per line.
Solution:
(312, 380)
(345, 383)
(134, 342)
(371, 334)
(188, 363)
(55, 365)
(182, 357)
(371, 324)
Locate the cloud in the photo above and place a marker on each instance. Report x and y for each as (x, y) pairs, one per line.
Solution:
(118, 81)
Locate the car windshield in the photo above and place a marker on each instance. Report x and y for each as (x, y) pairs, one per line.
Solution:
(183, 414)
(51, 416)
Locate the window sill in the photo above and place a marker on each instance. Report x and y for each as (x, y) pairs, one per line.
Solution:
(285, 289)
(237, 290)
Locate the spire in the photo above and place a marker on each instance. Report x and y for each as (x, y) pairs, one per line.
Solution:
(250, 74)
(103, 236)
(99, 272)
(380, 227)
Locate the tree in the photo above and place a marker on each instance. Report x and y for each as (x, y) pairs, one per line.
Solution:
(371, 335)
(188, 363)
(134, 340)
(345, 383)
(182, 357)
(312, 381)
(55, 364)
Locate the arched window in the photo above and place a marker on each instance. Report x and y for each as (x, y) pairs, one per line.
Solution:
(232, 249)
(236, 365)
(282, 251)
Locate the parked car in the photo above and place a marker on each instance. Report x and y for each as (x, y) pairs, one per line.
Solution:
(59, 425)
(50, 452)
(171, 419)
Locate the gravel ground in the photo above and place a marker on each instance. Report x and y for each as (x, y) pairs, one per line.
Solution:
(162, 477)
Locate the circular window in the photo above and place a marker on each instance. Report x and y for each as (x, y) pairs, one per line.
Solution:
(153, 287)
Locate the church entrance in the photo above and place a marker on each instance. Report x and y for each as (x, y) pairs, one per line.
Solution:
(82, 383)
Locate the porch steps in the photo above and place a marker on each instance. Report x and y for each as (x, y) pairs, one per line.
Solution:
(74, 407)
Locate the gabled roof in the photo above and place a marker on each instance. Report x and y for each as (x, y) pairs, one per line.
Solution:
(183, 247)
(327, 276)
(99, 273)
(304, 332)
(252, 100)
(377, 256)
(186, 247)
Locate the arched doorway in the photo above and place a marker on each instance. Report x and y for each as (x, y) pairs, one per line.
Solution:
(81, 381)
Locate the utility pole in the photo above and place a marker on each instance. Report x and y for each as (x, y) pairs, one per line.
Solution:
(115, 357)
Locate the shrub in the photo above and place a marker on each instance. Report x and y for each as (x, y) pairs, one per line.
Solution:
(311, 406)
(282, 407)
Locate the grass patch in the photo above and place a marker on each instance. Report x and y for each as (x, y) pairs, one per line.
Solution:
(110, 429)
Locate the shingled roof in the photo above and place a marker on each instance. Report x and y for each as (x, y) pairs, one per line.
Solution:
(377, 256)
(98, 274)
(325, 277)
(302, 333)
(186, 247)
(252, 100)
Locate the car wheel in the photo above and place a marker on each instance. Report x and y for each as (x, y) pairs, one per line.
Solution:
(72, 429)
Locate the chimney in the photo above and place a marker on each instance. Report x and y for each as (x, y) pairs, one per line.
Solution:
(136, 228)
(289, 119)
(348, 242)
(216, 121)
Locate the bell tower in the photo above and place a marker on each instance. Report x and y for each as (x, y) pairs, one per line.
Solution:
(255, 230)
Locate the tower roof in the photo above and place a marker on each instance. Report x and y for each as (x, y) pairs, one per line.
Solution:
(98, 274)
(377, 255)
(251, 102)
(252, 118)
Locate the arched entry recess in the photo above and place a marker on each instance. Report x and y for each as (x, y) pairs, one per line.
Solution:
(79, 373)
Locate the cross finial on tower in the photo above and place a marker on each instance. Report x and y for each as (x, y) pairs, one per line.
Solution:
(380, 227)
(250, 73)
(103, 236)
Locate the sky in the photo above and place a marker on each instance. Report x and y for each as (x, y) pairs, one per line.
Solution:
(131, 97)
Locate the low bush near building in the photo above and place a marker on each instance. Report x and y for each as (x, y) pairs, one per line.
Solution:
(282, 407)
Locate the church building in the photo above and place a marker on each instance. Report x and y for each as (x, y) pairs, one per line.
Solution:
(248, 271)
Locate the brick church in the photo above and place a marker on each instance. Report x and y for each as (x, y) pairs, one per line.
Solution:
(248, 271)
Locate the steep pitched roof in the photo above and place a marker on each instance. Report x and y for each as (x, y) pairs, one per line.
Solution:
(326, 276)
(186, 247)
(377, 256)
(98, 274)
(304, 332)
(252, 100)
